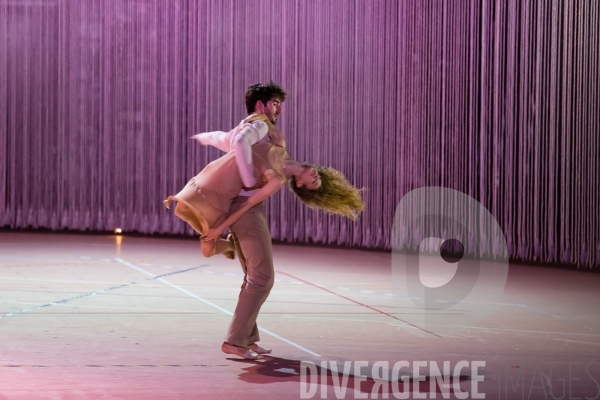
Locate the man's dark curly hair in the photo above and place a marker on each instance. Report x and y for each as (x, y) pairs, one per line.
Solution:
(263, 92)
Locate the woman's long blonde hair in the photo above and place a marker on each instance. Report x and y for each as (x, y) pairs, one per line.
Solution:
(336, 195)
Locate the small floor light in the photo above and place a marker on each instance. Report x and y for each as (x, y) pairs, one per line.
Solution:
(119, 240)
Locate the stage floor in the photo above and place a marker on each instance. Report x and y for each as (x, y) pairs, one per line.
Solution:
(106, 317)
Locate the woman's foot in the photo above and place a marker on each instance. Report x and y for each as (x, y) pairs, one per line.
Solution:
(244, 352)
(230, 254)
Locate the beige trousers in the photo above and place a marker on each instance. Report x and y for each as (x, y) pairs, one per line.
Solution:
(255, 251)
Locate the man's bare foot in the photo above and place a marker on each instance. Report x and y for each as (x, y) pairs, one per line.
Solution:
(258, 349)
(244, 352)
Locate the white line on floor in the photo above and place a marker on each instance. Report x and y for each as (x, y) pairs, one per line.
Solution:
(223, 310)
(3, 278)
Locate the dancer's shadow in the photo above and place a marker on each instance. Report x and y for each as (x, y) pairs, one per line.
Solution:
(275, 369)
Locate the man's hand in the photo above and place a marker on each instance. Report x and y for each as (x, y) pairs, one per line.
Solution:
(262, 181)
(213, 235)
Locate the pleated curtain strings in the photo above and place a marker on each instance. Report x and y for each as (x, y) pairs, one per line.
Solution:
(496, 100)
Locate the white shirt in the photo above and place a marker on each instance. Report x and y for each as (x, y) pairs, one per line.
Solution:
(240, 140)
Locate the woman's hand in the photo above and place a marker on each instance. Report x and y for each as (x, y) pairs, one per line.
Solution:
(213, 234)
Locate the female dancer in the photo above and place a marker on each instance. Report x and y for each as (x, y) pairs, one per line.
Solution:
(204, 202)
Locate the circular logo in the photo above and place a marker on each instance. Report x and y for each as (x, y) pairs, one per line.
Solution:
(449, 262)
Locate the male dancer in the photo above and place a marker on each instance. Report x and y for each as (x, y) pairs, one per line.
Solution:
(251, 234)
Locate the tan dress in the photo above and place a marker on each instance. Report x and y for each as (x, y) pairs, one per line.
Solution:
(205, 201)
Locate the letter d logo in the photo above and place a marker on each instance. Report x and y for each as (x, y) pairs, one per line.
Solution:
(449, 261)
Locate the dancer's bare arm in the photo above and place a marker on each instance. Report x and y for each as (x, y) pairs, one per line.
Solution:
(276, 137)
(274, 183)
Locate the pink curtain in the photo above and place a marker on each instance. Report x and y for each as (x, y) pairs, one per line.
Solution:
(496, 99)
